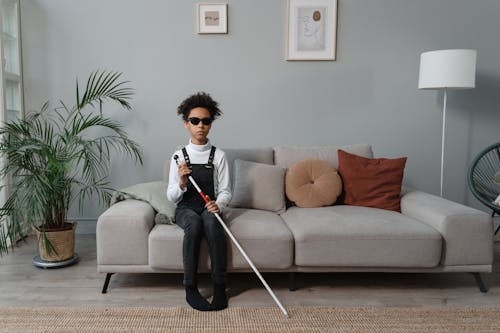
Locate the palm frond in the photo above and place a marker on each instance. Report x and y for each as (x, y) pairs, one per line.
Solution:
(104, 85)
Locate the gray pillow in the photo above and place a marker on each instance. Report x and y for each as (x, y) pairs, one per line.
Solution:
(258, 186)
(153, 193)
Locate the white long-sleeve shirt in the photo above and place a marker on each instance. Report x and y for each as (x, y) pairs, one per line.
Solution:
(199, 154)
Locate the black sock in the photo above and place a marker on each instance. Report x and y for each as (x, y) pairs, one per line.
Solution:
(194, 298)
(219, 301)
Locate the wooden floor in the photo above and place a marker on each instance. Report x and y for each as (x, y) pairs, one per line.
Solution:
(22, 284)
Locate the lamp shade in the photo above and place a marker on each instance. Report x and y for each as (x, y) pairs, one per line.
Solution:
(447, 69)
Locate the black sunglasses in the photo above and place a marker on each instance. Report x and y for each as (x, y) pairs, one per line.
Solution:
(195, 120)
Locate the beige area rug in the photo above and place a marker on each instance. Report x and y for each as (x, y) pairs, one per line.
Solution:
(256, 319)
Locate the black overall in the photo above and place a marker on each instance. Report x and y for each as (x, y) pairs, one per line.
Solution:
(192, 216)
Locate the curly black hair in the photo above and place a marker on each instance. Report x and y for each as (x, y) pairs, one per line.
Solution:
(199, 100)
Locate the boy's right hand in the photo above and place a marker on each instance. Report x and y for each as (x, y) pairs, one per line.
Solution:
(183, 171)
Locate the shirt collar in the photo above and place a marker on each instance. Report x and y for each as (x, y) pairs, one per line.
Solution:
(200, 148)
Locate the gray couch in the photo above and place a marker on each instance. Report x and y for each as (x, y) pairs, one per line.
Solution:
(431, 234)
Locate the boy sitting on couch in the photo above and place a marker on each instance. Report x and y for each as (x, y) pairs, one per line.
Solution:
(209, 168)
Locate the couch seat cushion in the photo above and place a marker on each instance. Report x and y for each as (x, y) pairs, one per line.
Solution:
(165, 248)
(361, 236)
(263, 235)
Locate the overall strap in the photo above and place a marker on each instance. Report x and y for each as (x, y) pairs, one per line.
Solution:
(211, 157)
(186, 157)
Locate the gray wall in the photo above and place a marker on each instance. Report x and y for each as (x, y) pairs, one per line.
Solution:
(369, 95)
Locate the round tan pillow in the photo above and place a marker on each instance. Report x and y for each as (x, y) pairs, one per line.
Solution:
(313, 183)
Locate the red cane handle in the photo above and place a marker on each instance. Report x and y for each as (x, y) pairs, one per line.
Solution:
(204, 197)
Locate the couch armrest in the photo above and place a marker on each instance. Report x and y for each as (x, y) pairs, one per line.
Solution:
(467, 232)
(122, 233)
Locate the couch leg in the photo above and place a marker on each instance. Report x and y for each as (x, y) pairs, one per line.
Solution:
(292, 286)
(498, 228)
(480, 283)
(106, 283)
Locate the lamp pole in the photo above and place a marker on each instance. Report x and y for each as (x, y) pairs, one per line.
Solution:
(442, 141)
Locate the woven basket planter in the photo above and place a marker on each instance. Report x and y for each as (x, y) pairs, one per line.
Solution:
(62, 240)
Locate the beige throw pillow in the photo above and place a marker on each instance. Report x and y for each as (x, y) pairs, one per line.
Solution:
(258, 186)
(313, 183)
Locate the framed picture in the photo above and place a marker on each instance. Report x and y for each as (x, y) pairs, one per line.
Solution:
(212, 18)
(311, 30)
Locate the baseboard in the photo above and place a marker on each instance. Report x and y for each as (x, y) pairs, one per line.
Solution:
(85, 225)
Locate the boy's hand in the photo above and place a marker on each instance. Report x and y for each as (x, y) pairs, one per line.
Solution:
(183, 171)
(211, 206)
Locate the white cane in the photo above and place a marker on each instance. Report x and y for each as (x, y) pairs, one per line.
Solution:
(236, 243)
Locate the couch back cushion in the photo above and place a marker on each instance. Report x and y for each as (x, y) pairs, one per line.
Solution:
(285, 157)
(258, 155)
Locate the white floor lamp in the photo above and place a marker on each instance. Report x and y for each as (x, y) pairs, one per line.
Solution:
(447, 69)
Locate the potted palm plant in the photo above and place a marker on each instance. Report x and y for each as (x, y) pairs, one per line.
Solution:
(56, 156)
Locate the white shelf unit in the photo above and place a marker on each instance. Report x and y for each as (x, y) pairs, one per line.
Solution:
(11, 81)
(11, 95)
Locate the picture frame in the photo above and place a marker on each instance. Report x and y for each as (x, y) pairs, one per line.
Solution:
(311, 30)
(212, 18)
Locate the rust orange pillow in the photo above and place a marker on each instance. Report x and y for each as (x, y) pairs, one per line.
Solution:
(371, 182)
(312, 183)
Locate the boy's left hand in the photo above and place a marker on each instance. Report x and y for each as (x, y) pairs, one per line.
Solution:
(211, 206)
